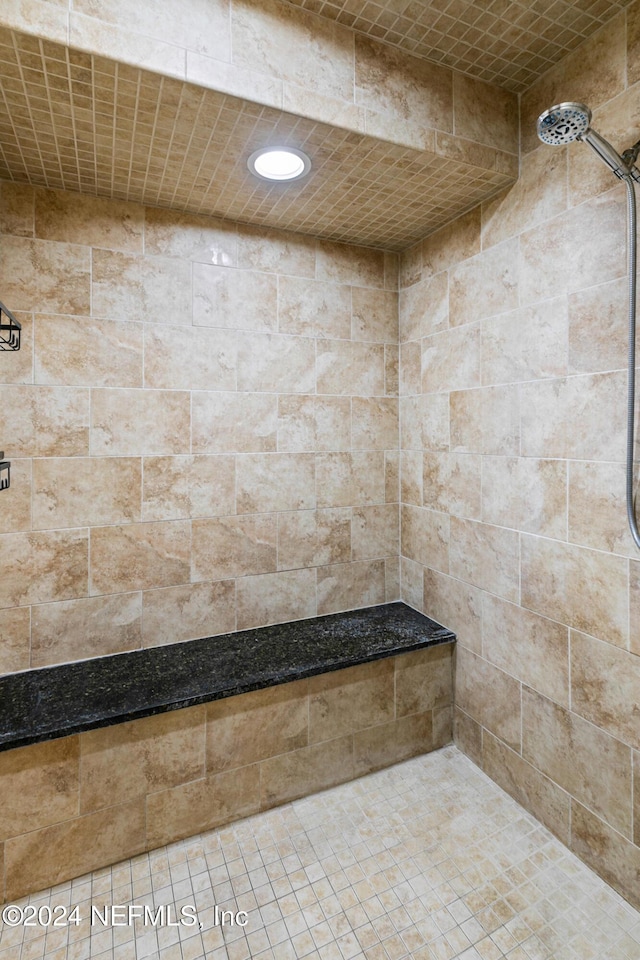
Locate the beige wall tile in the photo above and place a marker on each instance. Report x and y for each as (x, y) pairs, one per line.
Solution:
(276, 598)
(106, 40)
(305, 771)
(452, 243)
(39, 785)
(347, 586)
(275, 251)
(374, 315)
(634, 607)
(352, 699)
(350, 479)
(391, 579)
(391, 370)
(526, 494)
(451, 482)
(468, 735)
(85, 491)
(425, 536)
(342, 263)
(233, 547)
(410, 266)
(45, 421)
(251, 727)
(411, 367)
(411, 477)
(233, 422)
(130, 760)
(484, 285)
(127, 286)
(314, 308)
(486, 556)
(314, 423)
(543, 798)
(17, 366)
(597, 328)
(375, 531)
(139, 422)
(613, 857)
(485, 113)
(275, 481)
(57, 564)
(451, 360)
(169, 233)
(91, 627)
(80, 352)
(16, 640)
(374, 423)
(424, 307)
(73, 218)
(411, 576)
(17, 206)
(604, 682)
(489, 696)
(197, 359)
(456, 605)
(424, 680)
(188, 612)
(597, 508)
(529, 647)
(389, 81)
(293, 45)
(138, 556)
(389, 743)
(205, 30)
(424, 422)
(236, 81)
(345, 367)
(33, 860)
(202, 805)
(583, 588)
(526, 344)
(309, 538)
(239, 299)
(183, 487)
(45, 276)
(18, 518)
(563, 747)
(274, 363)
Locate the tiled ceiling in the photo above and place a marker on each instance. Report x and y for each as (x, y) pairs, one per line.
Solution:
(506, 42)
(74, 121)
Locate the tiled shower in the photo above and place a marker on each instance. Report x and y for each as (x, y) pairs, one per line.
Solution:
(281, 411)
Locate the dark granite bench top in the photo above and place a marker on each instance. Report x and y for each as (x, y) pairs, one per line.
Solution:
(58, 701)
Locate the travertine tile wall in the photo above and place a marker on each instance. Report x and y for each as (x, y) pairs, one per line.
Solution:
(513, 329)
(83, 802)
(202, 425)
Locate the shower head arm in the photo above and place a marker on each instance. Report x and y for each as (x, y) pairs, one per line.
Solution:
(610, 156)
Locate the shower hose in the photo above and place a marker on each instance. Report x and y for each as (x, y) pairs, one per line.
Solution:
(631, 377)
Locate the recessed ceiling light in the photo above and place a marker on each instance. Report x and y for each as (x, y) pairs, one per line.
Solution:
(279, 163)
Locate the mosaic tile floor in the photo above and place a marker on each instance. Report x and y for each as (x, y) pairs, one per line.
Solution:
(428, 860)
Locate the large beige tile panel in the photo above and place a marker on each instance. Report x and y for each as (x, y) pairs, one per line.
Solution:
(345, 586)
(276, 363)
(276, 598)
(90, 627)
(129, 423)
(634, 606)
(187, 612)
(597, 507)
(169, 233)
(563, 747)
(582, 588)
(424, 680)
(598, 328)
(269, 482)
(424, 422)
(614, 857)
(275, 251)
(233, 547)
(17, 209)
(484, 285)
(527, 646)
(44, 566)
(375, 531)
(45, 421)
(604, 686)
(490, 696)
(468, 735)
(92, 221)
(451, 482)
(45, 276)
(451, 359)
(389, 743)
(425, 536)
(66, 850)
(526, 494)
(543, 798)
(201, 805)
(80, 352)
(138, 556)
(347, 263)
(130, 760)
(527, 344)
(196, 359)
(233, 422)
(487, 556)
(39, 785)
(183, 487)
(374, 314)
(448, 246)
(244, 729)
(313, 423)
(16, 640)
(485, 114)
(314, 308)
(424, 307)
(17, 366)
(456, 605)
(350, 367)
(486, 421)
(305, 771)
(309, 538)
(239, 299)
(350, 479)
(18, 518)
(348, 700)
(85, 491)
(128, 286)
(374, 423)
(117, 43)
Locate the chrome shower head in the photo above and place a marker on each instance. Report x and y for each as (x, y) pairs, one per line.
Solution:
(571, 121)
(564, 123)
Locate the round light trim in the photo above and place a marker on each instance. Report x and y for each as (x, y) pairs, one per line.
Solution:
(279, 164)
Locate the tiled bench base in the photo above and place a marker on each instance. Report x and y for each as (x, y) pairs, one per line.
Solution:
(82, 802)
